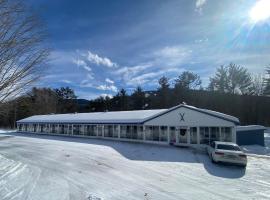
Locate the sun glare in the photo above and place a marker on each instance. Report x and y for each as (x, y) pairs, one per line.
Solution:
(261, 11)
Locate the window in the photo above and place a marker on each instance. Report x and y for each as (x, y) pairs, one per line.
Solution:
(152, 133)
(155, 133)
(115, 131)
(42, 128)
(123, 132)
(214, 134)
(193, 135)
(149, 133)
(163, 133)
(108, 131)
(90, 130)
(129, 132)
(61, 129)
(66, 128)
(140, 133)
(76, 129)
(228, 147)
(226, 134)
(35, 127)
(204, 135)
(53, 128)
(100, 130)
(47, 128)
(172, 135)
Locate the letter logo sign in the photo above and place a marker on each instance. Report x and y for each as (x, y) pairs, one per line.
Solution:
(182, 115)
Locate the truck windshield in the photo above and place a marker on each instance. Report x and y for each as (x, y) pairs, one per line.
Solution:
(228, 147)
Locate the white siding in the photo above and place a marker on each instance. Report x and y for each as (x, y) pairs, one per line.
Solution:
(191, 118)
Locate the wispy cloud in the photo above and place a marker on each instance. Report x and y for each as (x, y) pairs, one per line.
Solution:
(109, 81)
(152, 77)
(98, 60)
(199, 5)
(172, 55)
(126, 73)
(83, 64)
(66, 81)
(112, 88)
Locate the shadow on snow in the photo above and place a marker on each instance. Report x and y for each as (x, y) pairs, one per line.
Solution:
(148, 152)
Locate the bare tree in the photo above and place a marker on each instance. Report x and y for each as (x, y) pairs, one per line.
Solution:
(257, 85)
(22, 50)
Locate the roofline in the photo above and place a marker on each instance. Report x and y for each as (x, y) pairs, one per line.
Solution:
(47, 122)
(182, 105)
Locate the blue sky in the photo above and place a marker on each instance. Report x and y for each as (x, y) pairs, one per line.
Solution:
(100, 46)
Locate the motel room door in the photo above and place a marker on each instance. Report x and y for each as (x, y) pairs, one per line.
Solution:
(182, 135)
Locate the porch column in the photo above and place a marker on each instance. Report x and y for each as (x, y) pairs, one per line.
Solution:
(158, 133)
(71, 129)
(49, 128)
(119, 131)
(102, 130)
(168, 134)
(144, 132)
(233, 130)
(198, 135)
(188, 135)
(219, 132)
(177, 135)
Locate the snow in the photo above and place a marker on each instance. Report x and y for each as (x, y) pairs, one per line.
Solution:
(135, 116)
(259, 150)
(250, 128)
(62, 168)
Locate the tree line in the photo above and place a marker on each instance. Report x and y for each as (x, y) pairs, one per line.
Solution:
(232, 90)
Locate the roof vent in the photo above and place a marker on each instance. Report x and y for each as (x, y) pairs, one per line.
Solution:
(184, 103)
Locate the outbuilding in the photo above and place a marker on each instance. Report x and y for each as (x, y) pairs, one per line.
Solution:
(180, 125)
(250, 135)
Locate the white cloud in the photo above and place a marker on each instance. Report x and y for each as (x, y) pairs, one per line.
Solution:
(83, 64)
(66, 81)
(106, 95)
(199, 5)
(109, 81)
(96, 59)
(90, 76)
(107, 88)
(152, 77)
(127, 73)
(172, 55)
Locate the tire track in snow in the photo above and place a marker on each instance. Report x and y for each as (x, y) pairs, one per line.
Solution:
(16, 179)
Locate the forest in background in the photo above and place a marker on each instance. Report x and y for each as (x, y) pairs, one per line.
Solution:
(232, 90)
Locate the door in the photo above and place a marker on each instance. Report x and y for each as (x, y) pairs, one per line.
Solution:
(172, 135)
(100, 130)
(182, 136)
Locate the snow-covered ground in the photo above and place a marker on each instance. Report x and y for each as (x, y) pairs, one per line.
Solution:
(259, 150)
(50, 168)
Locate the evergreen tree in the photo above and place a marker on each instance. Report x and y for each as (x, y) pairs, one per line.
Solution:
(66, 100)
(138, 99)
(188, 80)
(123, 99)
(267, 82)
(232, 79)
(163, 92)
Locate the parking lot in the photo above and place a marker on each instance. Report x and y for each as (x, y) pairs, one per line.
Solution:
(51, 167)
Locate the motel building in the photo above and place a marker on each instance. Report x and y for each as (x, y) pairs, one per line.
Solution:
(181, 125)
